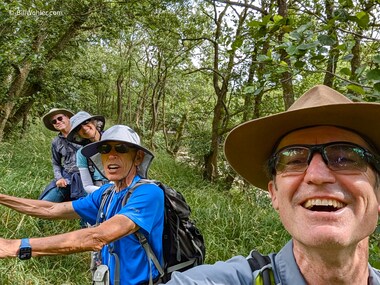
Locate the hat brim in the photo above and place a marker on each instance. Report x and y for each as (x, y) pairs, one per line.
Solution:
(74, 129)
(46, 119)
(249, 146)
(92, 148)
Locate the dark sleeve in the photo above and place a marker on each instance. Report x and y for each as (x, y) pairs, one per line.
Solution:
(56, 159)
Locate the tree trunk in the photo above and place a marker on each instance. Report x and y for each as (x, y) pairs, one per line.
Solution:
(13, 94)
(334, 52)
(179, 134)
(286, 77)
(211, 158)
(119, 86)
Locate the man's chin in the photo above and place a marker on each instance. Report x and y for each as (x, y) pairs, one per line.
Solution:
(113, 176)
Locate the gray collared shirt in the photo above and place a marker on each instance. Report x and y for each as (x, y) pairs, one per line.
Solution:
(236, 271)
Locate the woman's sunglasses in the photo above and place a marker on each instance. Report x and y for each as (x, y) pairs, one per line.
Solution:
(120, 148)
(59, 119)
(85, 122)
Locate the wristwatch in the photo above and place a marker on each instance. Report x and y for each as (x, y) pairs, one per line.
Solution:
(25, 251)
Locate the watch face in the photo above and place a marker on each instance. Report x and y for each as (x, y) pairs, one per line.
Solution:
(25, 253)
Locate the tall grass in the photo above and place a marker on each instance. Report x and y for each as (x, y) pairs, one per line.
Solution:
(232, 222)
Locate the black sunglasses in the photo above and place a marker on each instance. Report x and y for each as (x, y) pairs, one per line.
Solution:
(120, 148)
(59, 119)
(85, 122)
(338, 156)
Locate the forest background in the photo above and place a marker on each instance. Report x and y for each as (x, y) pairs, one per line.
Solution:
(181, 73)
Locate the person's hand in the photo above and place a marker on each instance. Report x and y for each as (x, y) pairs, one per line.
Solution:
(9, 248)
(61, 183)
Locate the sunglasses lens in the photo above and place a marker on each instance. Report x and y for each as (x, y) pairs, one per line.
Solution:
(121, 148)
(59, 119)
(346, 157)
(294, 159)
(104, 148)
(85, 122)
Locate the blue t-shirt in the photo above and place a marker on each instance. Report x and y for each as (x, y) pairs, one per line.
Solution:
(145, 208)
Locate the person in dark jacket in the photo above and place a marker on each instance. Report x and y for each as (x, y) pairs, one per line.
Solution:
(66, 183)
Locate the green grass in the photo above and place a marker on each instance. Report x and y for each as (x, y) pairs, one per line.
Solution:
(232, 222)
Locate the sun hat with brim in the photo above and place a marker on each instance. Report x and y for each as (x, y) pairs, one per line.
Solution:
(249, 146)
(46, 119)
(119, 133)
(76, 122)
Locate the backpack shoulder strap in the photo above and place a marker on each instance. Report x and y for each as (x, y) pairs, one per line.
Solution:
(133, 188)
(100, 216)
(142, 239)
(259, 262)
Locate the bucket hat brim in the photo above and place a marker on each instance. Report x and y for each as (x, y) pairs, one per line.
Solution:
(46, 119)
(249, 146)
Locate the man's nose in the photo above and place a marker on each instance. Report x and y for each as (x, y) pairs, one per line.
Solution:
(318, 171)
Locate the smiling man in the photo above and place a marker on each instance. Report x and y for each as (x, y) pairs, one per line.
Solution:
(122, 259)
(63, 157)
(320, 163)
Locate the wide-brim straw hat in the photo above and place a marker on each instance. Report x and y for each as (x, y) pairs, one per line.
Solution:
(119, 133)
(46, 119)
(249, 146)
(76, 122)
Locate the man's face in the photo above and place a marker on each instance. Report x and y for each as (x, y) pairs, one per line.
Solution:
(321, 207)
(60, 122)
(121, 161)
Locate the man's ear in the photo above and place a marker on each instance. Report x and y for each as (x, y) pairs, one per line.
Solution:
(272, 188)
(139, 157)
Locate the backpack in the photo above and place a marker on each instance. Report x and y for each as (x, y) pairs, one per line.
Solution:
(183, 243)
(261, 268)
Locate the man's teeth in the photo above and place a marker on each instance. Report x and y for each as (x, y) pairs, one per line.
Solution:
(112, 166)
(322, 202)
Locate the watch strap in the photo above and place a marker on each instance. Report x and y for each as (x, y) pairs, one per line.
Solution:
(25, 242)
(25, 250)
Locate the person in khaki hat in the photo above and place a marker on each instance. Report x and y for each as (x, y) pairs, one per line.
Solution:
(121, 258)
(319, 161)
(63, 158)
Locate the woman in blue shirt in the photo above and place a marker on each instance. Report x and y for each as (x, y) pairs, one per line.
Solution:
(86, 129)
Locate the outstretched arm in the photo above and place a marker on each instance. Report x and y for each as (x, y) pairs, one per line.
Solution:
(77, 241)
(39, 208)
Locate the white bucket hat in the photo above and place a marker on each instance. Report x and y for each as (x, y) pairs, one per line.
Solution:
(119, 133)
